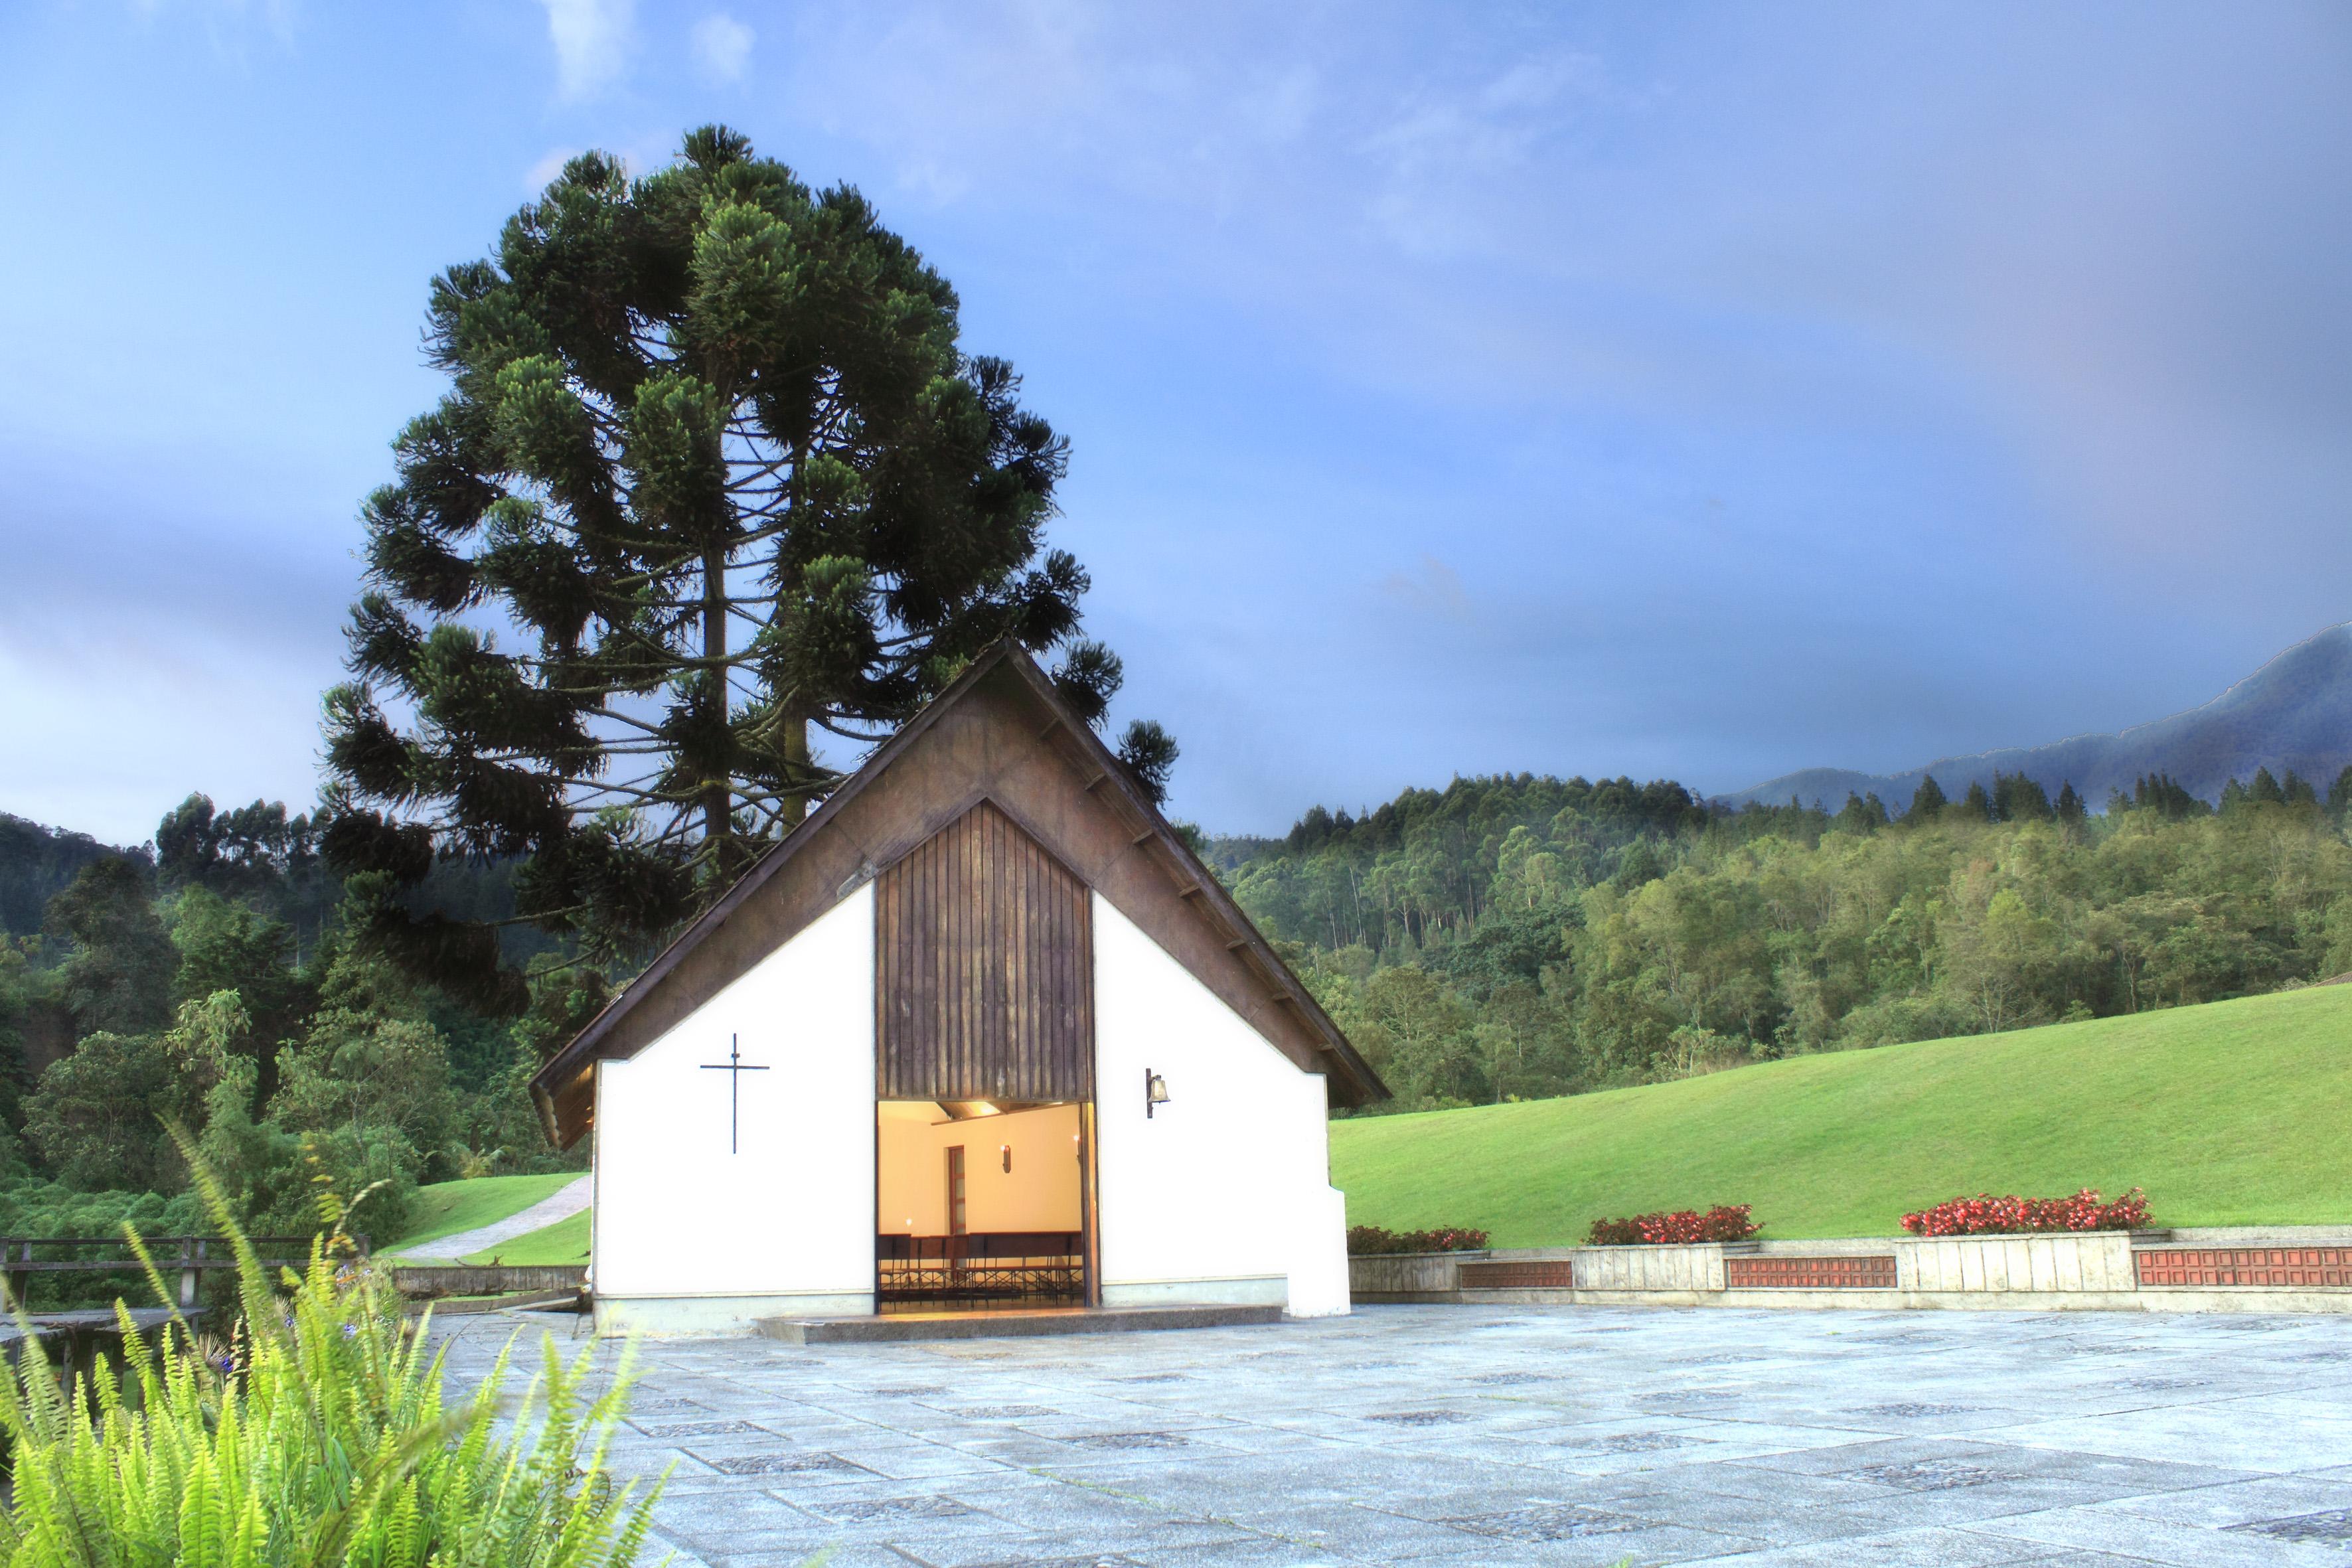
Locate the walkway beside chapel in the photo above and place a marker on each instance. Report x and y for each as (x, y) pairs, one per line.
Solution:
(561, 1205)
(1485, 1435)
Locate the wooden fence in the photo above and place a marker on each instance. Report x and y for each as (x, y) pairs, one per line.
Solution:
(190, 1257)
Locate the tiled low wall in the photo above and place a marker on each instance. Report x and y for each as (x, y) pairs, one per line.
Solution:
(1868, 1273)
(2250, 1268)
(2203, 1270)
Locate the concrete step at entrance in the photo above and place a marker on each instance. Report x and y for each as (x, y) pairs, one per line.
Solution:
(898, 1327)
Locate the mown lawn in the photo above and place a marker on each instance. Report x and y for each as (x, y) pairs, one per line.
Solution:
(2235, 1113)
(566, 1241)
(446, 1208)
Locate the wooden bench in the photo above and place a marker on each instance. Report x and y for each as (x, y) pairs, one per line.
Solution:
(1020, 1264)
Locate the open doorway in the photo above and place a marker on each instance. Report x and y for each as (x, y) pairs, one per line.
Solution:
(981, 1205)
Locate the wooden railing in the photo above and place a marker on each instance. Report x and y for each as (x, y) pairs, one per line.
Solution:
(188, 1256)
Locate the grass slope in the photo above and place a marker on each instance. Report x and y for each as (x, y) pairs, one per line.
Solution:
(566, 1241)
(444, 1208)
(2231, 1113)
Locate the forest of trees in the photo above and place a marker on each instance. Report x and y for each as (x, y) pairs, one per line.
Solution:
(1499, 938)
(1520, 937)
(214, 983)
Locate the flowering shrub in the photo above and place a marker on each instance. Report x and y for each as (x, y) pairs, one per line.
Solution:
(1365, 1240)
(1985, 1215)
(1724, 1222)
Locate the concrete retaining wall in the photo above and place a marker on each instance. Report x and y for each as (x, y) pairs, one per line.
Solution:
(471, 1280)
(2099, 1271)
(2033, 1265)
(1649, 1268)
(1413, 1276)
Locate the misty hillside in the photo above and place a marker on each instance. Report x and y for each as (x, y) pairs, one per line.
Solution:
(2293, 712)
(37, 863)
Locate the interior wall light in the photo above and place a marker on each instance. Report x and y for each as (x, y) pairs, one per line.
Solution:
(1006, 1149)
(1155, 1092)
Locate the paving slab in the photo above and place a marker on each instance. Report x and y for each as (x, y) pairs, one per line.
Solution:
(1465, 1436)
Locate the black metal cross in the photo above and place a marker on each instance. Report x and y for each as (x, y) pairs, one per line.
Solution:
(734, 1068)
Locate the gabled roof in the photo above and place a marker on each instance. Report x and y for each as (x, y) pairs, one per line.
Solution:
(1001, 733)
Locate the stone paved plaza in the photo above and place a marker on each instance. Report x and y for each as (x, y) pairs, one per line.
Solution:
(1472, 1435)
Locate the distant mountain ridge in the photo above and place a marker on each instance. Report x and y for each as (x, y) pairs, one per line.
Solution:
(2293, 712)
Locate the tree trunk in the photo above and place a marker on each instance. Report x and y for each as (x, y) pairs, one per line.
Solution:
(718, 800)
(796, 768)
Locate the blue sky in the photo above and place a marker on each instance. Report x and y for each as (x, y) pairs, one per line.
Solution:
(1697, 391)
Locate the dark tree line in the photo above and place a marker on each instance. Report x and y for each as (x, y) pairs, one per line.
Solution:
(1529, 936)
(220, 984)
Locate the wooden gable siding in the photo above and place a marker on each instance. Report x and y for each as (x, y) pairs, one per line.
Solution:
(997, 738)
(983, 969)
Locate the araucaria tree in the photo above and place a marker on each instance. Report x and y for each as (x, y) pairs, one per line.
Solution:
(714, 479)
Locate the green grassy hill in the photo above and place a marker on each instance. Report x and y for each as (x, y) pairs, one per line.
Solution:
(444, 1208)
(2233, 1114)
(566, 1241)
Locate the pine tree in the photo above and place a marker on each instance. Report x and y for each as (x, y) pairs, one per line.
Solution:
(1149, 754)
(2070, 808)
(118, 975)
(1927, 801)
(2016, 798)
(1976, 805)
(715, 466)
(2160, 793)
(2339, 796)
(1861, 816)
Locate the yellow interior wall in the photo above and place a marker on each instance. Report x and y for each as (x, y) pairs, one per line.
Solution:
(1041, 1192)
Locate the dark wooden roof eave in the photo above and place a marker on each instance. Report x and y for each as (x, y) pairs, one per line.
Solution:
(576, 1056)
(1366, 1083)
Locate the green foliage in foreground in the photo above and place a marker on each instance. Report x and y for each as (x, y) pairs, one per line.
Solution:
(2230, 1113)
(566, 1241)
(325, 1440)
(444, 1208)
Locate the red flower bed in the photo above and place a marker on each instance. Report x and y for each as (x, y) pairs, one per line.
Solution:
(1365, 1240)
(1985, 1215)
(1724, 1222)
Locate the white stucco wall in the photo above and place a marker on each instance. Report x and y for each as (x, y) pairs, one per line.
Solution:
(1223, 1194)
(689, 1237)
(1040, 1193)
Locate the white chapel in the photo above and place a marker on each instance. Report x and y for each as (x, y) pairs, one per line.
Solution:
(981, 1033)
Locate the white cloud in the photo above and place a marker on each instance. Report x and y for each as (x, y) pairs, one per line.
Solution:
(228, 22)
(592, 43)
(722, 47)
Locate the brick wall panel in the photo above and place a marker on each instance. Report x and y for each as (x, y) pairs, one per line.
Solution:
(2271, 1267)
(1557, 1274)
(1847, 1273)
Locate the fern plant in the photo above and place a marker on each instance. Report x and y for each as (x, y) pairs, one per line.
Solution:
(318, 1437)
